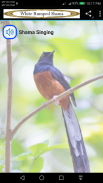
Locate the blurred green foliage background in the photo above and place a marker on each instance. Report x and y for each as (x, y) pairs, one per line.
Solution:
(78, 53)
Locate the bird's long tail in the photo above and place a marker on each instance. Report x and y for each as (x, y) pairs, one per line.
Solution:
(75, 139)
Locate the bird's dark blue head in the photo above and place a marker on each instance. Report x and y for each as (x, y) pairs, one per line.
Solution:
(47, 57)
(43, 62)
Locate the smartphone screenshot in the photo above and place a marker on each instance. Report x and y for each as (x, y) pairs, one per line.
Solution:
(51, 90)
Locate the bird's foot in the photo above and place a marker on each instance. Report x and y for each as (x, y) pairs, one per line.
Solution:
(55, 100)
(44, 105)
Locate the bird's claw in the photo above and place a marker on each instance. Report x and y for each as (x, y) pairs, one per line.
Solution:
(44, 105)
(55, 100)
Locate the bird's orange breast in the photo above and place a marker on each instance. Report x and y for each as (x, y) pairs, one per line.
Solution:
(49, 87)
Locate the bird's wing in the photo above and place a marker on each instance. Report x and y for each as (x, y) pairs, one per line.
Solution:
(67, 78)
(56, 74)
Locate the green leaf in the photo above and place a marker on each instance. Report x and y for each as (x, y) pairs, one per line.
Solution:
(26, 163)
(22, 156)
(37, 165)
(16, 147)
(35, 149)
(96, 141)
(57, 146)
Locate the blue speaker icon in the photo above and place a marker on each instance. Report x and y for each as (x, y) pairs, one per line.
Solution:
(9, 32)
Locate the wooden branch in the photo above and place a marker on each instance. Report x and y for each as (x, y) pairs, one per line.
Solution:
(9, 104)
(67, 92)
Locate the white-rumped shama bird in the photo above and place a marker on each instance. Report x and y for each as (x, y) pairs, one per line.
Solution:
(51, 82)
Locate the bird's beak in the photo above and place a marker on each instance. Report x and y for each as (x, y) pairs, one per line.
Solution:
(52, 53)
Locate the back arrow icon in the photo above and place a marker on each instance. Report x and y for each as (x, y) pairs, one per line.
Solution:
(22, 177)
